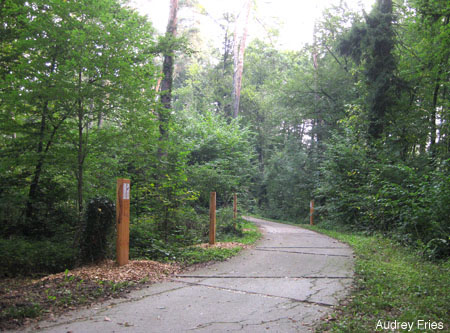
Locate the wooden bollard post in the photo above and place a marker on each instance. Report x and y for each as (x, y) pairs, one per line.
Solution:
(123, 221)
(212, 218)
(311, 212)
(235, 211)
(235, 206)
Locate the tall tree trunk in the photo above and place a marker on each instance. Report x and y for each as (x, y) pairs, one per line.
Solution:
(41, 152)
(34, 186)
(444, 126)
(238, 51)
(438, 82)
(433, 127)
(166, 100)
(317, 112)
(167, 81)
(381, 77)
(81, 152)
(227, 42)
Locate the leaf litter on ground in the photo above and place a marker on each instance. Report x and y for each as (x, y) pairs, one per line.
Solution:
(24, 301)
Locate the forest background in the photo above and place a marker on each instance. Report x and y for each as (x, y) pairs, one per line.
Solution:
(358, 120)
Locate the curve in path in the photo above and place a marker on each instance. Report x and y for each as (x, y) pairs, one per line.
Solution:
(286, 283)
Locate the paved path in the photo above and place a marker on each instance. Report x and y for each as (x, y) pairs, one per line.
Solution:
(287, 282)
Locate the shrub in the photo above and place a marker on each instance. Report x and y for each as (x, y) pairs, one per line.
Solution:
(145, 242)
(100, 220)
(226, 225)
(381, 194)
(24, 257)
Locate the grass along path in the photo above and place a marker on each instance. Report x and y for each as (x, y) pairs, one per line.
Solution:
(393, 285)
(199, 254)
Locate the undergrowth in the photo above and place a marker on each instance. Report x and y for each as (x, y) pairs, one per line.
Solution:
(23, 300)
(145, 244)
(392, 283)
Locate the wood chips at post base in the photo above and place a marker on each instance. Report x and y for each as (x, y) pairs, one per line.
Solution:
(135, 270)
(58, 293)
(222, 245)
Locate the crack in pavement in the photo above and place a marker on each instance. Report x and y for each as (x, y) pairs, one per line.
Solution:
(256, 293)
(209, 324)
(338, 293)
(108, 306)
(289, 306)
(316, 254)
(265, 322)
(261, 277)
(317, 291)
(301, 247)
(284, 295)
(286, 306)
(244, 325)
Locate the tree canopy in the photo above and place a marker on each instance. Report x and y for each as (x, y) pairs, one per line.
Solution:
(358, 120)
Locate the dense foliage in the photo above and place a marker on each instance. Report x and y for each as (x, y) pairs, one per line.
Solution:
(79, 108)
(386, 167)
(358, 121)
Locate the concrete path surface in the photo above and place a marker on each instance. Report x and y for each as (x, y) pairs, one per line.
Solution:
(285, 284)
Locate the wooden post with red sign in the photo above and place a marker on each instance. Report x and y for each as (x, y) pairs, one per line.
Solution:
(123, 221)
(212, 218)
(311, 212)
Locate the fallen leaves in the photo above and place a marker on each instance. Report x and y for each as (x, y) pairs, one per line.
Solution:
(24, 301)
(222, 245)
(135, 271)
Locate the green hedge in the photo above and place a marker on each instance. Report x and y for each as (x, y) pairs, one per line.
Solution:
(407, 201)
(23, 257)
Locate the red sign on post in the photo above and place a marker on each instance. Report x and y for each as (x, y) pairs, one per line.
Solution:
(123, 221)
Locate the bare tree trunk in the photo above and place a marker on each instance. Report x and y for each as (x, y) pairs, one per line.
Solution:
(436, 91)
(80, 166)
(227, 41)
(34, 186)
(41, 152)
(443, 134)
(239, 50)
(317, 110)
(166, 100)
(80, 152)
(166, 83)
(433, 127)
